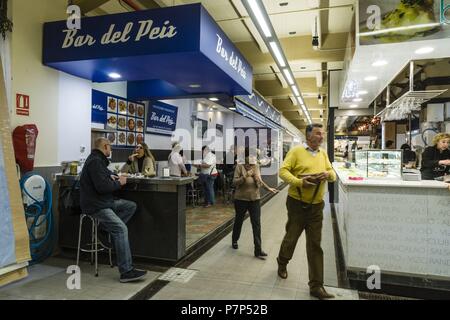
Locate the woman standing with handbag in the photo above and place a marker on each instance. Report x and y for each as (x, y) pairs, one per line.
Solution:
(247, 180)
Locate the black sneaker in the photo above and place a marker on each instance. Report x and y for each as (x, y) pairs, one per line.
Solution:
(235, 245)
(133, 275)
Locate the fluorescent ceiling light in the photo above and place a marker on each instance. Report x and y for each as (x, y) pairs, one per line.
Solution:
(232, 108)
(370, 78)
(114, 75)
(357, 100)
(277, 53)
(379, 63)
(295, 90)
(417, 26)
(194, 86)
(362, 92)
(214, 99)
(260, 17)
(289, 78)
(354, 106)
(424, 50)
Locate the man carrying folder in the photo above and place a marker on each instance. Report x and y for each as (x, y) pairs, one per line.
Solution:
(306, 169)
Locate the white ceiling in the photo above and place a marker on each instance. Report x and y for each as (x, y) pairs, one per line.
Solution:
(397, 56)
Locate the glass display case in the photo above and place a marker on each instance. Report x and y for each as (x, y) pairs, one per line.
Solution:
(383, 164)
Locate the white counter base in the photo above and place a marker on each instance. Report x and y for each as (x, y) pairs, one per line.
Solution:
(401, 226)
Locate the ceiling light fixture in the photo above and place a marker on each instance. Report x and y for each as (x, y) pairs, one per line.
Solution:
(233, 109)
(295, 90)
(395, 30)
(114, 75)
(194, 86)
(424, 50)
(289, 78)
(370, 78)
(354, 106)
(214, 99)
(357, 100)
(277, 53)
(261, 20)
(260, 17)
(362, 92)
(379, 63)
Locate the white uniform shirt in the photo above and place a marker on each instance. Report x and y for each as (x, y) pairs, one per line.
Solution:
(175, 164)
(209, 159)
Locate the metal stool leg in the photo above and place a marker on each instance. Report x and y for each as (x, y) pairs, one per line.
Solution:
(79, 238)
(110, 251)
(96, 247)
(92, 244)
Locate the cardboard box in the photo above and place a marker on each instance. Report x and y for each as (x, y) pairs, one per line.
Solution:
(22, 245)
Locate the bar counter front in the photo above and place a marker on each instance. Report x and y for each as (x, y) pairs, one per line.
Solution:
(158, 228)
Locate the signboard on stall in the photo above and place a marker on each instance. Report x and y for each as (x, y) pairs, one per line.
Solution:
(258, 103)
(175, 45)
(123, 117)
(162, 118)
(393, 21)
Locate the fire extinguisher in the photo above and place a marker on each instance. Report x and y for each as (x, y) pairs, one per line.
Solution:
(24, 142)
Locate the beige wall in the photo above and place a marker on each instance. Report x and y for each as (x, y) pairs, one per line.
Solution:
(32, 78)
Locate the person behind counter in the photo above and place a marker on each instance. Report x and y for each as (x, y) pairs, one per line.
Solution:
(97, 185)
(208, 174)
(248, 181)
(176, 162)
(436, 158)
(141, 161)
(409, 156)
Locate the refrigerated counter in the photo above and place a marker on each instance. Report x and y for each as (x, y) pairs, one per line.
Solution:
(403, 227)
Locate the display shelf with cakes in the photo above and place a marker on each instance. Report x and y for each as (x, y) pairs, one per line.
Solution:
(374, 164)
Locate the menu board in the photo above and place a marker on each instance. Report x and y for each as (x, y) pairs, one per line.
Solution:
(126, 118)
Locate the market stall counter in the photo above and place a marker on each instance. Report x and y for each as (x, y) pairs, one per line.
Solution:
(402, 227)
(158, 228)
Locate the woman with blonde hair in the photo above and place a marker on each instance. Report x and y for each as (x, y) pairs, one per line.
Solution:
(141, 161)
(436, 158)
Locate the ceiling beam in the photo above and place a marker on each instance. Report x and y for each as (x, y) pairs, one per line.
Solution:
(89, 5)
(298, 48)
(274, 88)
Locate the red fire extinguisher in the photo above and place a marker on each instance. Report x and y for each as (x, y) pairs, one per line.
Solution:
(24, 142)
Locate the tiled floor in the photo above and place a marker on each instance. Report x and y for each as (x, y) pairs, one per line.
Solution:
(201, 221)
(49, 282)
(224, 273)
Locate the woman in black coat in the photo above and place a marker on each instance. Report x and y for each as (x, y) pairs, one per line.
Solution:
(436, 159)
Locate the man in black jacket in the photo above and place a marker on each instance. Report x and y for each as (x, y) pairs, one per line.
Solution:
(97, 184)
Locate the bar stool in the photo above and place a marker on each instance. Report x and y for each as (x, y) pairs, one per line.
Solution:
(193, 194)
(94, 245)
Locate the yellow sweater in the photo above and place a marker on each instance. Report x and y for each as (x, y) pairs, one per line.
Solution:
(300, 161)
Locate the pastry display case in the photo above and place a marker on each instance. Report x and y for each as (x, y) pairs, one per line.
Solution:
(381, 164)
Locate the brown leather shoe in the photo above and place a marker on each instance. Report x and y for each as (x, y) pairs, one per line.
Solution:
(282, 271)
(320, 293)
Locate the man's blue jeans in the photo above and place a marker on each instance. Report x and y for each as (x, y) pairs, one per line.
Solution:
(208, 188)
(114, 222)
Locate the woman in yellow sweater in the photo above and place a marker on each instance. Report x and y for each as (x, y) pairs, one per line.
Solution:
(247, 180)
